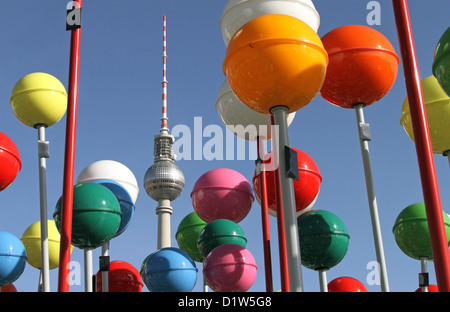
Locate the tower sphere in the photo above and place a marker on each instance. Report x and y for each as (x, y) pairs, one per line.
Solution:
(164, 180)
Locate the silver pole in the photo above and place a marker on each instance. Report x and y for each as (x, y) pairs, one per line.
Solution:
(43, 153)
(205, 285)
(88, 269)
(105, 277)
(424, 271)
(364, 137)
(323, 280)
(287, 195)
(164, 211)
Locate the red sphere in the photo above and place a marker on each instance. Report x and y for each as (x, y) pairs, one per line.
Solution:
(346, 284)
(306, 188)
(8, 288)
(431, 288)
(362, 66)
(10, 163)
(122, 277)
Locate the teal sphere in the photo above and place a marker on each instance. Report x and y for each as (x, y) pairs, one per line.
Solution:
(324, 239)
(96, 215)
(220, 232)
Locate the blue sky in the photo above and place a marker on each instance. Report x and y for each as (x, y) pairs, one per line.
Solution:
(119, 109)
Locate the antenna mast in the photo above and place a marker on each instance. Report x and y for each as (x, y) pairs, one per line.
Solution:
(164, 128)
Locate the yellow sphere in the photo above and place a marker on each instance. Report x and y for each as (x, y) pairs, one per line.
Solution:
(275, 60)
(39, 99)
(31, 239)
(437, 106)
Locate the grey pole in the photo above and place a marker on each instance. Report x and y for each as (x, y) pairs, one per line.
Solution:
(424, 272)
(287, 193)
(364, 138)
(43, 153)
(323, 280)
(105, 274)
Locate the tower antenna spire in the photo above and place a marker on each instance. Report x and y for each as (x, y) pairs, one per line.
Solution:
(164, 127)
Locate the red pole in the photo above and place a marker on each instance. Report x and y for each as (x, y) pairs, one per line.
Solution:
(424, 151)
(265, 216)
(285, 287)
(69, 160)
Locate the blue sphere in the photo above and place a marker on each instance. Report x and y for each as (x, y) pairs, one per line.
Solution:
(169, 270)
(126, 202)
(13, 258)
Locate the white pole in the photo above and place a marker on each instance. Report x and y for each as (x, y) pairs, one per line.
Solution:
(323, 281)
(88, 272)
(289, 210)
(364, 137)
(43, 153)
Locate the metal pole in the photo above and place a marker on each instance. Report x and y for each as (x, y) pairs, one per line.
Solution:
(364, 137)
(289, 210)
(424, 150)
(284, 276)
(261, 172)
(164, 210)
(323, 280)
(69, 161)
(88, 270)
(105, 274)
(424, 271)
(205, 286)
(43, 154)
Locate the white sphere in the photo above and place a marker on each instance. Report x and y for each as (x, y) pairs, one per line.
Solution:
(111, 170)
(242, 120)
(239, 12)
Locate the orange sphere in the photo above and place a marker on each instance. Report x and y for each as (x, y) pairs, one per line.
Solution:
(363, 66)
(275, 60)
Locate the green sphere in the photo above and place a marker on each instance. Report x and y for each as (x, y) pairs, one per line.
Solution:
(412, 234)
(323, 239)
(187, 235)
(441, 63)
(220, 232)
(96, 215)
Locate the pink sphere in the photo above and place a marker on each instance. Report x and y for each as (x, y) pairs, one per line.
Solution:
(222, 194)
(230, 268)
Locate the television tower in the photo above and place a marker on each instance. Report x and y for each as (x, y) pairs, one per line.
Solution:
(164, 181)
